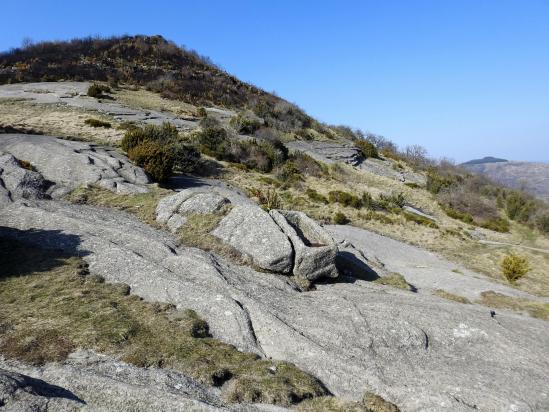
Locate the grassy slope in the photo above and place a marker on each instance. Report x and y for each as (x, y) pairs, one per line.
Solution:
(49, 306)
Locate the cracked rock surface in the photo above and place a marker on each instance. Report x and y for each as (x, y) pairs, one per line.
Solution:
(91, 382)
(69, 164)
(416, 350)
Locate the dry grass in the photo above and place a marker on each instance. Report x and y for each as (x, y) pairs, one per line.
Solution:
(50, 305)
(395, 280)
(196, 232)
(153, 101)
(142, 205)
(497, 300)
(56, 120)
(369, 403)
(450, 296)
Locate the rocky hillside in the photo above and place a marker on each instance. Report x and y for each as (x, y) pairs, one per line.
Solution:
(194, 252)
(530, 176)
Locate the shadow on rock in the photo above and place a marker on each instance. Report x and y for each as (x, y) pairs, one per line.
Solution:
(23, 252)
(38, 387)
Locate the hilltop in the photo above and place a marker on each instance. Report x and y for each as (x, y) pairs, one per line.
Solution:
(486, 159)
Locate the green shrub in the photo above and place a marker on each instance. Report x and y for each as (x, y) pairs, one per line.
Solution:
(315, 196)
(420, 220)
(497, 224)
(456, 214)
(97, 90)
(166, 133)
(436, 181)
(340, 219)
(519, 207)
(201, 112)
(367, 149)
(368, 201)
(268, 199)
(412, 185)
(246, 123)
(344, 198)
(289, 173)
(213, 141)
(306, 164)
(156, 159)
(514, 267)
(392, 201)
(186, 159)
(542, 222)
(97, 123)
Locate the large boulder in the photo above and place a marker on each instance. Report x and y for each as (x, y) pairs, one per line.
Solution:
(315, 250)
(17, 181)
(173, 210)
(251, 231)
(71, 164)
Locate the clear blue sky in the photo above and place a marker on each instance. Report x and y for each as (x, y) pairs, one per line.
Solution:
(464, 78)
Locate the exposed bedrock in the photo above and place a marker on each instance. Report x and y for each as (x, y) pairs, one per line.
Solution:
(69, 164)
(416, 350)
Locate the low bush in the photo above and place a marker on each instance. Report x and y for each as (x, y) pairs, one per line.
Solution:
(268, 199)
(246, 122)
(340, 219)
(456, 214)
(201, 112)
(412, 185)
(97, 90)
(436, 181)
(497, 224)
(514, 267)
(156, 159)
(542, 222)
(97, 123)
(344, 198)
(164, 134)
(186, 159)
(315, 196)
(306, 164)
(391, 201)
(519, 206)
(420, 220)
(367, 149)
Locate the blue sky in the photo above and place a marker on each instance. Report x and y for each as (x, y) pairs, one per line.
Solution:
(463, 78)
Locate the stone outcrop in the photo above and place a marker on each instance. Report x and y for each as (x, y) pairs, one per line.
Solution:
(251, 231)
(314, 249)
(174, 209)
(69, 164)
(17, 181)
(328, 152)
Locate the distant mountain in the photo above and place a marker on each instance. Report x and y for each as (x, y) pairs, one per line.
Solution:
(530, 176)
(487, 159)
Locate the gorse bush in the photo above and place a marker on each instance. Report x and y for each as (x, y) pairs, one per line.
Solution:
(344, 198)
(97, 123)
(163, 134)
(159, 152)
(340, 219)
(156, 159)
(498, 224)
(97, 90)
(367, 149)
(246, 122)
(315, 196)
(514, 267)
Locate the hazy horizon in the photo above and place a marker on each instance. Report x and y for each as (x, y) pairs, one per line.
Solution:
(465, 81)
